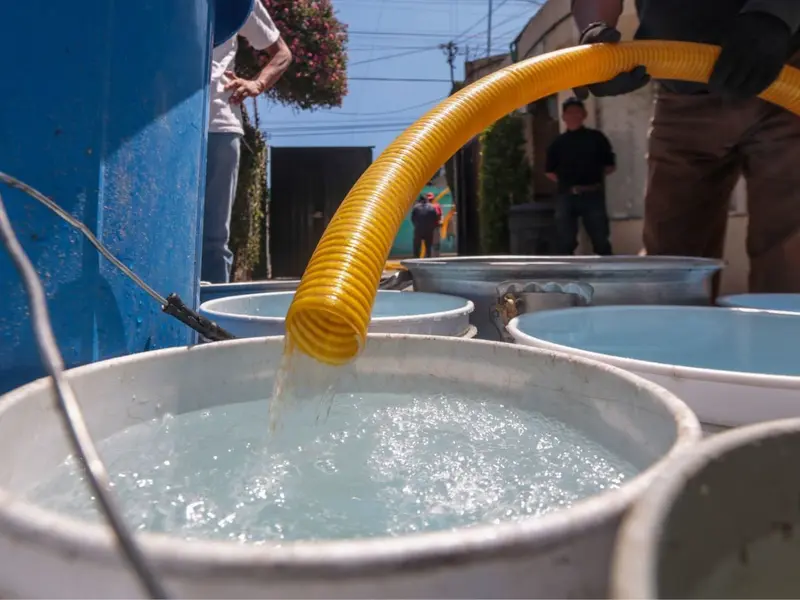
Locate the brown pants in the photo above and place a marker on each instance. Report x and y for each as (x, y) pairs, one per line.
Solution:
(698, 148)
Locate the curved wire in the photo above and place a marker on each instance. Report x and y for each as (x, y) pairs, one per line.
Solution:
(70, 410)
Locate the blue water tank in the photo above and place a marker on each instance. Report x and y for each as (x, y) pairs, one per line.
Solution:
(103, 108)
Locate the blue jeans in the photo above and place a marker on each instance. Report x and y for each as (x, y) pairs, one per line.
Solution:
(589, 207)
(222, 173)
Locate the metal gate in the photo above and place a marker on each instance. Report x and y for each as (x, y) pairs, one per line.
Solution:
(307, 186)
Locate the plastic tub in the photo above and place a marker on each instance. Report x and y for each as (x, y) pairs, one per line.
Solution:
(214, 291)
(257, 315)
(772, 302)
(732, 366)
(565, 553)
(722, 522)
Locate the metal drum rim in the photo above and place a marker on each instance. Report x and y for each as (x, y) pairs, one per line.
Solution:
(456, 267)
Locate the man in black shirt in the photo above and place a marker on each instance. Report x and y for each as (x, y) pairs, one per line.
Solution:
(703, 137)
(578, 160)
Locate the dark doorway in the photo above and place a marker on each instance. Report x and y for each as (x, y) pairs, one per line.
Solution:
(307, 186)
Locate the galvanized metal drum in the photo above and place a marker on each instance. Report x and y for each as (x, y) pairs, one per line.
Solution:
(722, 522)
(259, 315)
(563, 553)
(732, 367)
(562, 281)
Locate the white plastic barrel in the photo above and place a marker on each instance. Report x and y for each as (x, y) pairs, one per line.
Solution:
(564, 553)
(722, 521)
(259, 315)
(731, 366)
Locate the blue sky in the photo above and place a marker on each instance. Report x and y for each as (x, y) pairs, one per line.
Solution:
(397, 39)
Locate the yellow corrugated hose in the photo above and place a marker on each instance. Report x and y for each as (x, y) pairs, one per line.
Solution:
(329, 316)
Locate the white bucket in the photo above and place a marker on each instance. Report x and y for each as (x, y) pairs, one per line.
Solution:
(721, 521)
(565, 553)
(732, 367)
(212, 291)
(418, 313)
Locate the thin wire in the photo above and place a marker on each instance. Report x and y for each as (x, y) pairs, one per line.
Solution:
(15, 183)
(326, 133)
(391, 56)
(69, 408)
(400, 79)
(336, 112)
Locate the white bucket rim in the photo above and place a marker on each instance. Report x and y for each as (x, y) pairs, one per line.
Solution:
(732, 301)
(209, 309)
(336, 558)
(663, 369)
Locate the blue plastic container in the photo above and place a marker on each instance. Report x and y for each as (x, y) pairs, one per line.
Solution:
(104, 108)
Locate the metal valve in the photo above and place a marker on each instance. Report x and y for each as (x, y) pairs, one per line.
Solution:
(515, 298)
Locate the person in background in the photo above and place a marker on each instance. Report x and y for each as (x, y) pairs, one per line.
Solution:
(225, 132)
(436, 250)
(704, 137)
(578, 160)
(425, 219)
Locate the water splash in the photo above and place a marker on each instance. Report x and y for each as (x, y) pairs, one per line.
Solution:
(302, 379)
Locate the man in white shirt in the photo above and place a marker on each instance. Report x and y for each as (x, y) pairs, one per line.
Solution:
(225, 132)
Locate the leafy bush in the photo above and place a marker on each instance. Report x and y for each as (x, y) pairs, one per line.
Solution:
(504, 180)
(317, 77)
(249, 207)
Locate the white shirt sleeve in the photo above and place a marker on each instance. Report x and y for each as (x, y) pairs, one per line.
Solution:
(259, 29)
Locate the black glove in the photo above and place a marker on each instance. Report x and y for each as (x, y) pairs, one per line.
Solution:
(753, 53)
(598, 33)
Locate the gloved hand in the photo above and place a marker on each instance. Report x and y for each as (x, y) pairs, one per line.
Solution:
(621, 84)
(754, 51)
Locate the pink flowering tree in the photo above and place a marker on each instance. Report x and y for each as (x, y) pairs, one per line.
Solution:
(317, 77)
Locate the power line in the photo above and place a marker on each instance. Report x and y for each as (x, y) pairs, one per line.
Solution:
(400, 34)
(388, 111)
(337, 127)
(327, 133)
(391, 56)
(476, 3)
(399, 79)
(479, 21)
(378, 46)
(463, 37)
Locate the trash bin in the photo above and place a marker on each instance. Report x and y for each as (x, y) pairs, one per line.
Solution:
(531, 228)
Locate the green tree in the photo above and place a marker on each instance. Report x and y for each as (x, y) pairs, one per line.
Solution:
(248, 220)
(504, 180)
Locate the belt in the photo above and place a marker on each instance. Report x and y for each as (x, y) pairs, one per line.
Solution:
(582, 189)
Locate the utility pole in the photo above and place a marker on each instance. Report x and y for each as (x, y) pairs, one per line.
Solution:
(489, 31)
(451, 51)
